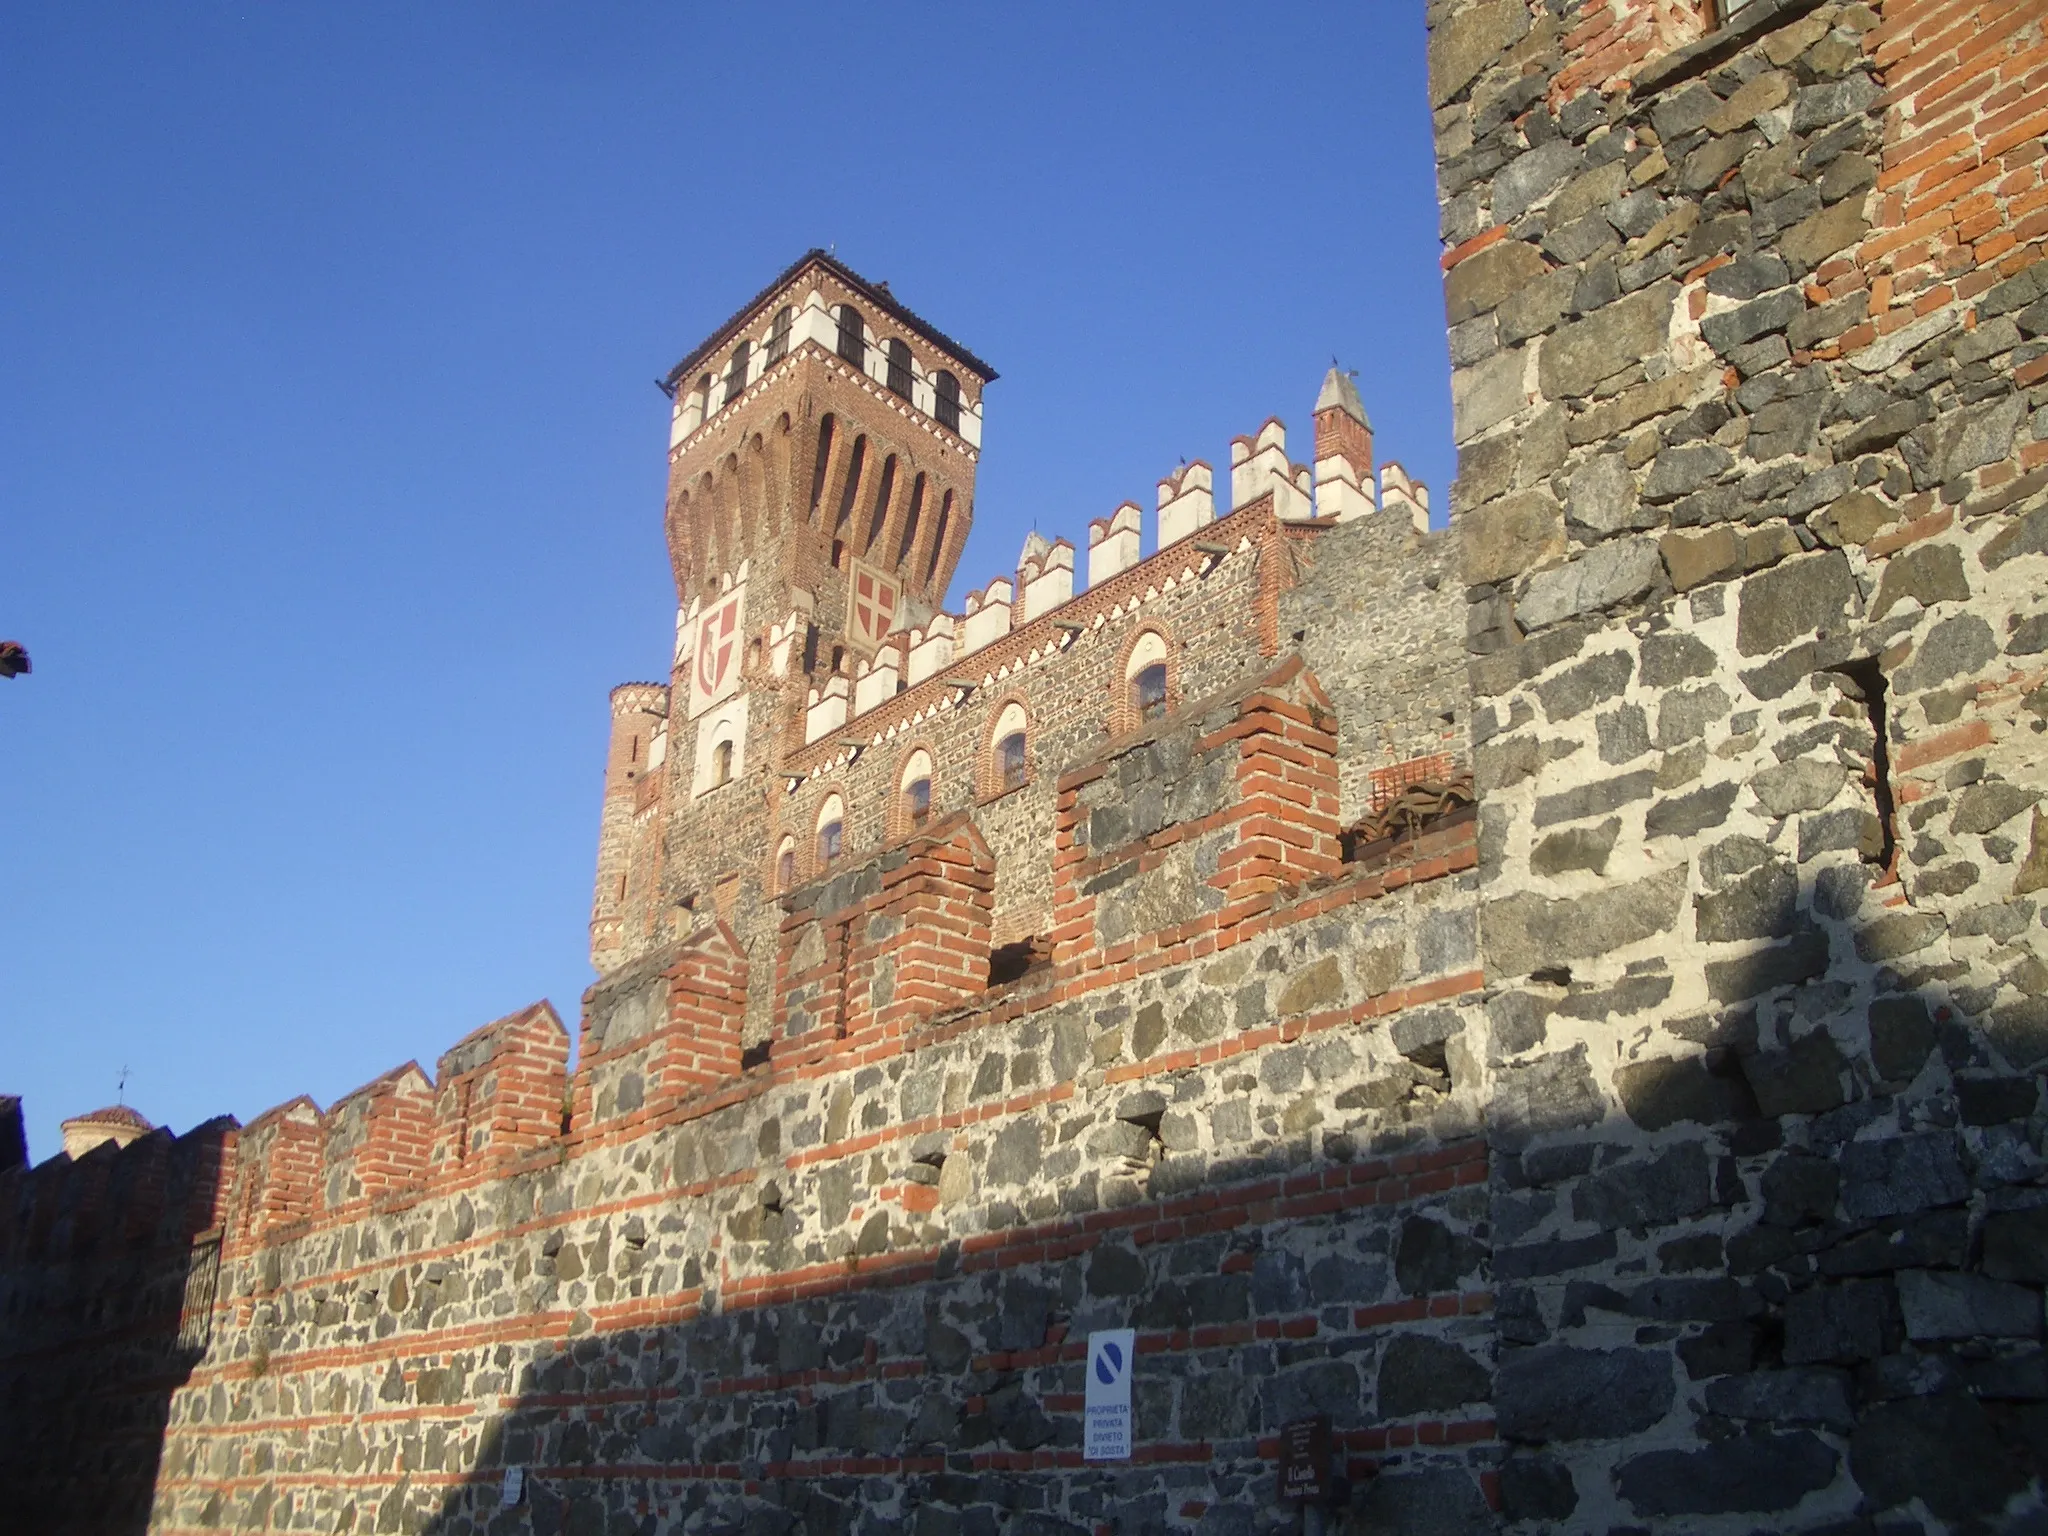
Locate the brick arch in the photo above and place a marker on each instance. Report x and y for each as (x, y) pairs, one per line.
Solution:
(1138, 651)
(811, 859)
(988, 773)
(897, 820)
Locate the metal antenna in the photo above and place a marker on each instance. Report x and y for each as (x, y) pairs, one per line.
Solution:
(121, 1087)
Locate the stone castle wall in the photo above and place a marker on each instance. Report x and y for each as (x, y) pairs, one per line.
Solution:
(1655, 1144)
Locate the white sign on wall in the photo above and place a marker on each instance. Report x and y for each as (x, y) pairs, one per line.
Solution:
(1106, 1412)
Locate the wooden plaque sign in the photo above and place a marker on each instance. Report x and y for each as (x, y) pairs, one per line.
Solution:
(1305, 1459)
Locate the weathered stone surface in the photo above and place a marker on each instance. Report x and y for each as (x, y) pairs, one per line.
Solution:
(1840, 1324)
(1986, 807)
(1673, 657)
(1579, 356)
(1898, 933)
(1488, 393)
(1688, 814)
(1804, 784)
(1526, 932)
(1804, 957)
(1558, 1392)
(1482, 281)
(1662, 1093)
(1578, 688)
(1811, 241)
(1513, 535)
(1652, 1192)
(1984, 436)
(1941, 1449)
(1419, 1374)
(1805, 1078)
(1901, 1036)
(1605, 575)
(1941, 1305)
(1809, 1396)
(1899, 1175)
(1441, 1502)
(1551, 1093)
(2016, 1246)
(1531, 174)
(1468, 41)
(1748, 1473)
(1685, 713)
(1746, 322)
(1536, 1488)
(1603, 495)
(1929, 574)
(1763, 904)
(1793, 600)
(1576, 848)
(2028, 536)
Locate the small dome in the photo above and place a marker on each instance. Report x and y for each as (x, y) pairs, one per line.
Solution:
(116, 1123)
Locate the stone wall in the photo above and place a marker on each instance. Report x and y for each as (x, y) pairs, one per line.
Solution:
(1751, 432)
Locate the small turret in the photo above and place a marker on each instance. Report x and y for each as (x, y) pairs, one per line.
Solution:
(1343, 468)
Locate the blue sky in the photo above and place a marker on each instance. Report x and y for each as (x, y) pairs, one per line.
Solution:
(331, 466)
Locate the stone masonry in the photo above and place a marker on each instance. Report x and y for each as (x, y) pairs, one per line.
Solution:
(1563, 1000)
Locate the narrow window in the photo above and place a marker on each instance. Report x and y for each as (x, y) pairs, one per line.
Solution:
(910, 520)
(881, 508)
(853, 345)
(1010, 760)
(785, 865)
(824, 465)
(899, 369)
(946, 401)
(721, 764)
(736, 371)
(1148, 691)
(828, 841)
(939, 536)
(852, 487)
(778, 335)
(917, 801)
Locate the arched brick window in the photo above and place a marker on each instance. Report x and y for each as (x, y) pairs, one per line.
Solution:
(900, 374)
(778, 334)
(1148, 678)
(1009, 754)
(721, 764)
(914, 789)
(831, 830)
(785, 865)
(946, 400)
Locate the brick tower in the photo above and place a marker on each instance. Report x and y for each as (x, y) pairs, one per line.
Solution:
(821, 484)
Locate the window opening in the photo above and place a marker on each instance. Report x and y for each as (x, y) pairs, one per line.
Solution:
(917, 800)
(1148, 691)
(946, 400)
(899, 369)
(1865, 682)
(778, 335)
(736, 371)
(785, 866)
(853, 344)
(721, 764)
(1010, 760)
(1009, 962)
(829, 837)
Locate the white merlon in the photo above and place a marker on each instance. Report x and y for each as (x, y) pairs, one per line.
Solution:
(1113, 543)
(785, 640)
(931, 648)
(1187, 501)
(1398, 492)
(1258, 465)
(1339, 495)
(827, 710)
(878, 680)
(815, 323)
(988, 616)
(1045, 575)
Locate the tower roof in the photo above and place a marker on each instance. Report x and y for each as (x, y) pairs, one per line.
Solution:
(877, 295)
(1340, 393)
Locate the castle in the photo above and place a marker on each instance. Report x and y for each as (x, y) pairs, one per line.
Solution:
(1559, 1002)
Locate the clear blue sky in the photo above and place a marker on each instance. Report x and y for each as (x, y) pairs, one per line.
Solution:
(331, 467)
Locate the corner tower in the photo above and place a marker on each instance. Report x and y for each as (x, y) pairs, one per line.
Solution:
(822, 449)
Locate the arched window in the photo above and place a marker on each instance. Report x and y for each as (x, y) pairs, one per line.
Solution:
(785, 865)
(778, 335)
(910, 519)
(831, 829)
(899, 369)
(916, 787)
(824, 464)
(721, 764)
(946, 400)
(853, 343)
(1145, 676)
(1011, 764)
(736, 371)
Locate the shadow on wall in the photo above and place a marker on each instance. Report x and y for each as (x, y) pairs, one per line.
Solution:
(106, 1297)
(1798, 1279)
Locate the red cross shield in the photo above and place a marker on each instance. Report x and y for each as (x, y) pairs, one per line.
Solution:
(872, 612)
(714, 672)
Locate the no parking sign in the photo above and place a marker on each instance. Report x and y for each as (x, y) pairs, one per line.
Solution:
(1106, 1412)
